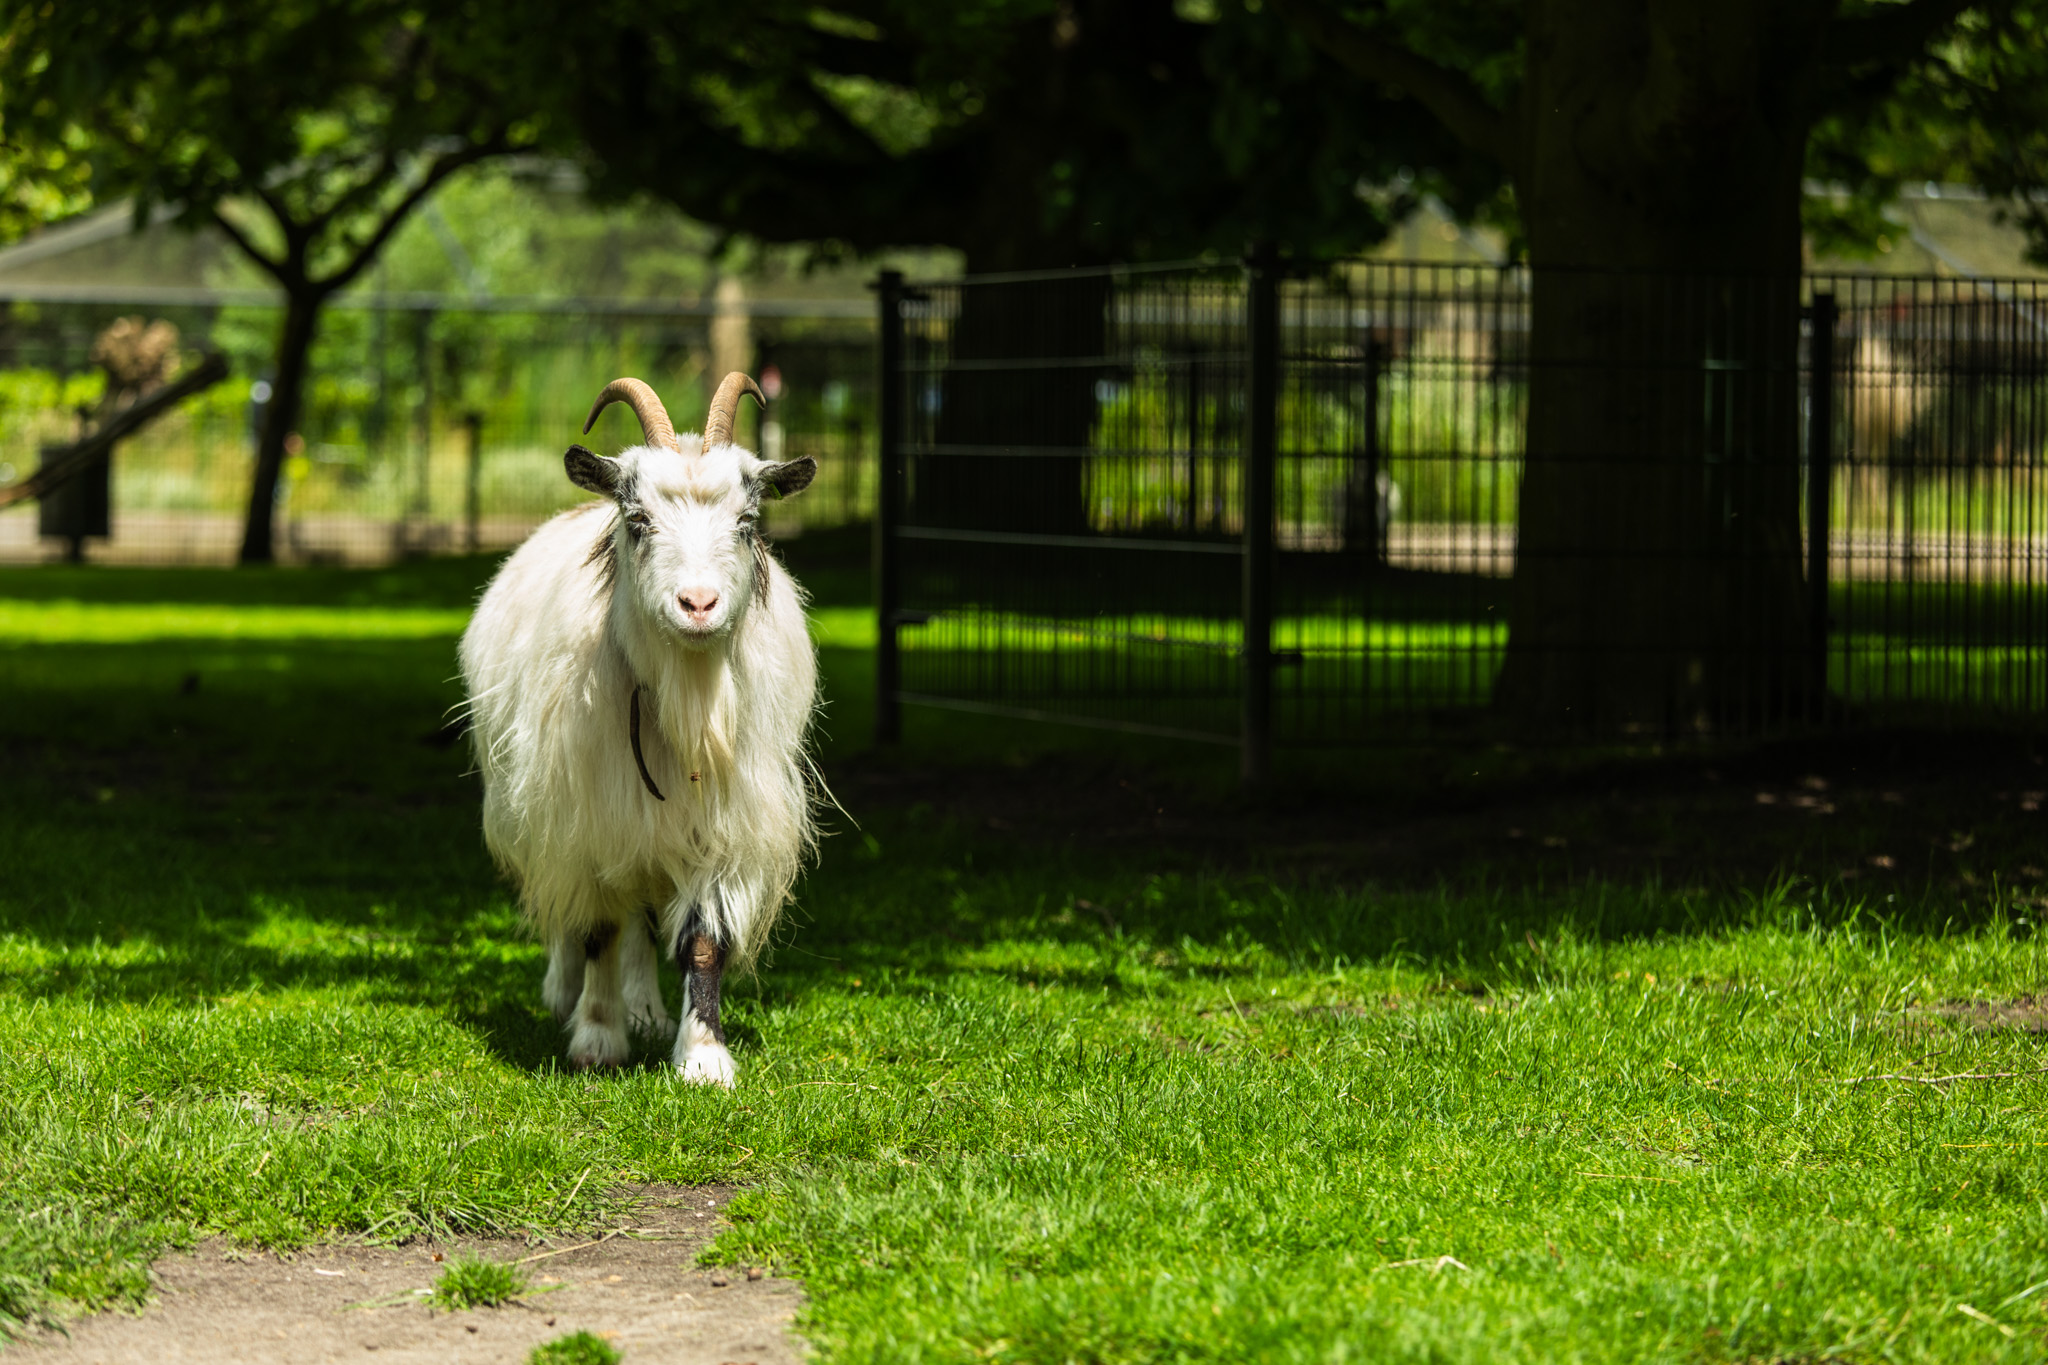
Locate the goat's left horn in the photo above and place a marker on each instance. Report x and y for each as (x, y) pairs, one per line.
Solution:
(724, 403)
(635, 394)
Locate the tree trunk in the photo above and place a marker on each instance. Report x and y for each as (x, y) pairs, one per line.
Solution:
(287, 387)
(1658, 567)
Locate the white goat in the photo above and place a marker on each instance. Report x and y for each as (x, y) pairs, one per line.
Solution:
(640, 682)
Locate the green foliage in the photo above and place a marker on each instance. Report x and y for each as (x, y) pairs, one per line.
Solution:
(578, 1348)
(42, 181)
(1024, 132)
(1970, 109)
(467, 1282)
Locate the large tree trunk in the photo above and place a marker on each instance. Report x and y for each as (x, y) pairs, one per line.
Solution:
(287, 387)
(1658, 568)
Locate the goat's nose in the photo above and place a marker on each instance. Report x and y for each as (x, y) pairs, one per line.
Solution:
(698, 602)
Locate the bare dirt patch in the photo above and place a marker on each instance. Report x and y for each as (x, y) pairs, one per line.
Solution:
(638, 1285)
(2027, 1013)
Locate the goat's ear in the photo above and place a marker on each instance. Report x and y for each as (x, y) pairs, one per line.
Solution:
(588, 469)
(791, 477)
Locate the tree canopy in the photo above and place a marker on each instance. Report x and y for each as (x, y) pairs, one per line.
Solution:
(1057, 131)
(1026, 132)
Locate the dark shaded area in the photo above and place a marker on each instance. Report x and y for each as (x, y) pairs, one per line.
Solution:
(1901, 814)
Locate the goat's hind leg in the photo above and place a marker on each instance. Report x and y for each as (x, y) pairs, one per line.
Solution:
(597, 1030)
(639, 970)
(563, 985)
(700, 1042)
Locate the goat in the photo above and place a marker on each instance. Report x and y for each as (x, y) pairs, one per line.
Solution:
(641, 680)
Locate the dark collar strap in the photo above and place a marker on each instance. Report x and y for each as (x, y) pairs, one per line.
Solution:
(634, 726)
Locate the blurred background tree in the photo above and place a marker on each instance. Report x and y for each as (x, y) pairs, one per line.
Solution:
(306, 131)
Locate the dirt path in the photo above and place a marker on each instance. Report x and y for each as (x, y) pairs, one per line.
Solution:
(640, 1287)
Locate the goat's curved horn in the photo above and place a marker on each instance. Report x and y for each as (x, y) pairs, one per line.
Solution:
(718, 421)
(654, 423)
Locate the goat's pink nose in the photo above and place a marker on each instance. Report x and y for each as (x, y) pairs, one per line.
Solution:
(698, 602)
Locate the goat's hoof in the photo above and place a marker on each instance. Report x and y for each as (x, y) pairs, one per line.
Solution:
(593, 1048)
(709, 1064)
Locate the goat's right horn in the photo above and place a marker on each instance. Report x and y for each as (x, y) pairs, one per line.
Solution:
(654, 423)
(724, 403)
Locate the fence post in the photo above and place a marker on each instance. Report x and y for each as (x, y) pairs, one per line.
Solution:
(423, 359)
(1262, 297)
(1820, 470)
(474, 494)
(888, 507)
(1364, 532)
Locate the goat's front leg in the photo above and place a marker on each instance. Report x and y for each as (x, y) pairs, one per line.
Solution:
(597, 1030)
(700, 1042)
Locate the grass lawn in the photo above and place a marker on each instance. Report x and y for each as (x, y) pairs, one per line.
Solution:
(1008, 1095)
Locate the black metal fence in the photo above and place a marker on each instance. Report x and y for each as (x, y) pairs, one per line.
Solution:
(431, 424)
(1366, 501)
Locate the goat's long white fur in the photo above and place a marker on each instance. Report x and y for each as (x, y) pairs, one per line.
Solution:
(560, 641)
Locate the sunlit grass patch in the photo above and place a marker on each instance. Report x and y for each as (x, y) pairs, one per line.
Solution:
(72, 622)
(578, 1348)
(472, 1282)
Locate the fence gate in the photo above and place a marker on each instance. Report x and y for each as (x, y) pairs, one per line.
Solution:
(1061, 532)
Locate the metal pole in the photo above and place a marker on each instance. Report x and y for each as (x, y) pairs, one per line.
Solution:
(1820, 470)
(474, 510)
(888, 509)
(423, 359)
(1367, 499)
(1262, 277)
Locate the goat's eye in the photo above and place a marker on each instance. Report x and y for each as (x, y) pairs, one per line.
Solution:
(638, 522)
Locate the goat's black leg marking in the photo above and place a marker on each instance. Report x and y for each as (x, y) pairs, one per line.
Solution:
(597, 940)
(702, 961)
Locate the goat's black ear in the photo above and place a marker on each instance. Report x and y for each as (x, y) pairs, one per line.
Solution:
(588, 469)
(791, 477)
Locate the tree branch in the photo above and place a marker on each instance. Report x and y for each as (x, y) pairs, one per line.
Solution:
(62, 463)
(442, 167)
(843, 56)
(1455, 101)
(1889, 34)
(247, 247)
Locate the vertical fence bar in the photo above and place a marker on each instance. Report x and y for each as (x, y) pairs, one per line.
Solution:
(888, 507)
(422, 491)
(473, 509)
(1262, 298)
(1820, 482)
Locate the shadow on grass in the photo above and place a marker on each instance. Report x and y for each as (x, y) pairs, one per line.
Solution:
(290, 823)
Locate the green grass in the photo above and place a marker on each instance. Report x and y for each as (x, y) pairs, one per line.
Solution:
(998, 1101)
(578, 1348)
(467, 1282)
